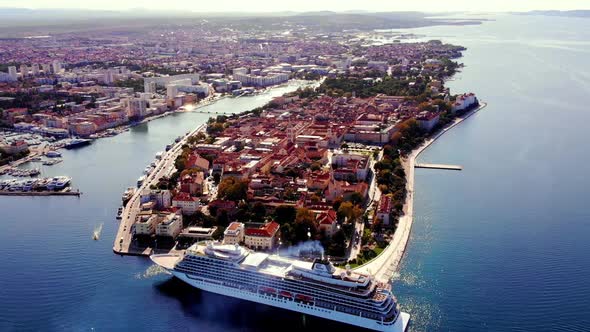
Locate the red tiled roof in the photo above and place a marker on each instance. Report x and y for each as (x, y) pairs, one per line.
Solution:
(268, 230)
(183, 197)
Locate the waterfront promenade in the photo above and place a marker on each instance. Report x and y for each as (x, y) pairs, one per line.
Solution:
(124, 240)
(384, 266)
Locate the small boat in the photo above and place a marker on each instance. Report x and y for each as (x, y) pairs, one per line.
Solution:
(52, 154)
(96, 232)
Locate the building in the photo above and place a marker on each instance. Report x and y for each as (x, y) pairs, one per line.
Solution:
(136, 108)
(384, 209)
(186, 202)
(12, 73)
(171, 91)
(150, 87)
(171, 226)
(263, 238)
(234, 233)
(56, 66)
(24, 71)
(427, 120)
(14, 147)
(198, 233)
(165, 80)
(145, 224)
(195, 161)
(35, 69)
(256, 80)
(464, 102)
(108, 77)
(161, 198)
(192, 183)
(327, 222)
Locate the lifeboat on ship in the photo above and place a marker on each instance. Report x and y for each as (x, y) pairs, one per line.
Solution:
(286, 295)
(268, 290)
(303, 298)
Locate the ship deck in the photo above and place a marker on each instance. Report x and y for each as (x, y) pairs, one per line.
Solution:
(166, 261)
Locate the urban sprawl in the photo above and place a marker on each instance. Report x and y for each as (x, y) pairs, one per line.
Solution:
(324, 163)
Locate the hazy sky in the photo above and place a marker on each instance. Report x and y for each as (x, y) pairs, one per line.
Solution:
(307, 5)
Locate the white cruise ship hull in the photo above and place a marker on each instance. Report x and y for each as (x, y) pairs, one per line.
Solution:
(400, 324)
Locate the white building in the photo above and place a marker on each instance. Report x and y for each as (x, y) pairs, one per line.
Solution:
(12, 73)
(171, 91)
(136, 107)
(57, 67)
(35, 69)
(255, 80)
(162, 198)
(263, 238)
(188, 204)
(234, 233)
(165, 80)
(171, 226)
(4, 77)
(108, 77)
(146, 225)
(464, 101)
(24, 70)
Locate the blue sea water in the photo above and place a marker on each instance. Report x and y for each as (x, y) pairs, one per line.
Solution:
(503, 244)
(500, 246)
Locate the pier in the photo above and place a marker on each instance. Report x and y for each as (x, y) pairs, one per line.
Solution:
(439, 166)
(40, 193)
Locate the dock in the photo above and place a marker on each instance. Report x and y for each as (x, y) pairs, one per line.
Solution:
(39, 193)
(439, 166)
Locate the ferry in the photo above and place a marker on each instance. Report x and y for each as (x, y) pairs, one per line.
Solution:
(315, 288)
(76, 143)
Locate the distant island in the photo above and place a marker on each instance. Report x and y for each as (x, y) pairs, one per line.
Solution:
(560, 13)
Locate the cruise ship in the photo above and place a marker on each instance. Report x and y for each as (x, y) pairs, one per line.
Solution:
(315, 288)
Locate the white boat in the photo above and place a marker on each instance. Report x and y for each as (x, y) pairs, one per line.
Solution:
(52, 154)
(159, 155)
(140, 180)
(58, 182)
(315, 288)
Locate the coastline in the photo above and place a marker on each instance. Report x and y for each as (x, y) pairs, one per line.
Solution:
(387, 262)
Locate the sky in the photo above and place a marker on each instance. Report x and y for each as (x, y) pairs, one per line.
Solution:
(307, 5)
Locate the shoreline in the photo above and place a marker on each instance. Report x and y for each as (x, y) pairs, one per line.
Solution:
(387, 262)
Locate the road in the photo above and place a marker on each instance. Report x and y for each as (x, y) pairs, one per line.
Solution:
(124, 240)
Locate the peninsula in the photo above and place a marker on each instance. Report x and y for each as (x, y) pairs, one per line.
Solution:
(326, 168)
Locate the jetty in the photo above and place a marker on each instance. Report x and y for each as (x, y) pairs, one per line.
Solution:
(439, 166)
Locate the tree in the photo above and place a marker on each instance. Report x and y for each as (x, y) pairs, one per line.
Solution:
(305, 227)
(345, 210)
(222, 218)
(218, 234)
(337, 244)
(356, 198)
(258, 212)
(285, 214)
(233, 189)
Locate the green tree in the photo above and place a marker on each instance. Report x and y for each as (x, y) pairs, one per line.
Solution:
(285, 214)
(233, 189)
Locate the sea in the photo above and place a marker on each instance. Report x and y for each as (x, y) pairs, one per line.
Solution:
(500, 246)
